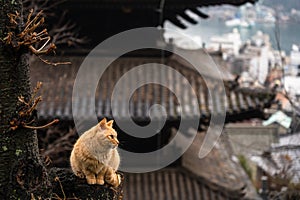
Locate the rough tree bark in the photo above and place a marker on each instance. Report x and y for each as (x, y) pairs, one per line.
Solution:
(68, 185)
(22, 174)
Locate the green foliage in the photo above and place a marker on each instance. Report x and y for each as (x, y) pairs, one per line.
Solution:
(18, 152)
(4, 148)
(244, 163)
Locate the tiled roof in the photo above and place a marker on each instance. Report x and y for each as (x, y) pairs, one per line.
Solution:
(282, 158)
(288, 140)
(215, 177)
(219, 167)
(175, 184)
(58, 86)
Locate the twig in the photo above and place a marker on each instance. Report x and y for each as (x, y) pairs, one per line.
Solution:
(56, 179)
(52, 63)
(57, 30)
(41, 127)
(29, 36)
(25, 115)
(37, 42)
(61, 187)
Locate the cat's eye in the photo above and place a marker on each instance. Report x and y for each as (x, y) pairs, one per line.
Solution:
(111, 136)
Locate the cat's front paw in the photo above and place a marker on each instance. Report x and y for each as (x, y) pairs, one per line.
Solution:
(91, 181)
(100, 181)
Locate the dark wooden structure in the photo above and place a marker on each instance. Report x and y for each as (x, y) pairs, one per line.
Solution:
(100, 19)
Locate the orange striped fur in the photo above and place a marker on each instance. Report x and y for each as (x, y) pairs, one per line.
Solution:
(95, 156)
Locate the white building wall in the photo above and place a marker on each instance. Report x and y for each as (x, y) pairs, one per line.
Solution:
(263, 65)
(295, 58)
(259, 65)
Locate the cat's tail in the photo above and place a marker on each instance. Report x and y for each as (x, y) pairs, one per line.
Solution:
(74, 165)
(112, 178)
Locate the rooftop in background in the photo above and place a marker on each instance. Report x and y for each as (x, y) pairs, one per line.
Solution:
(281, 162)
(289, 140)
(217, 176)
(173, 184)
(239, 103)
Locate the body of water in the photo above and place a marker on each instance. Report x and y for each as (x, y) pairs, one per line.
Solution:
(289, 33)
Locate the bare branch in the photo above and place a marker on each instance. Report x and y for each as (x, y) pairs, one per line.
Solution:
(42, 127)
(25, 115)
(64, 32)
(54, 63)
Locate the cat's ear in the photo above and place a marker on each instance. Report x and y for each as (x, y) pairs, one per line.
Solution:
(110, 123)
(102, 123)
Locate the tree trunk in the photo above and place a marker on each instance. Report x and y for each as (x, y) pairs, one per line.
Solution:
(67, 185)
(22, 174)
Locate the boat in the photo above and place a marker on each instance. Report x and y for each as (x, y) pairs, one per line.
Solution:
(236, 22)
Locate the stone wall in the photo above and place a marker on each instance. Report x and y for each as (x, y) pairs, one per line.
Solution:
(248, 139)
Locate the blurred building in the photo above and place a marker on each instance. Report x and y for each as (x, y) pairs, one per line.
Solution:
(217, 176)
(229, 43)
(280, 164)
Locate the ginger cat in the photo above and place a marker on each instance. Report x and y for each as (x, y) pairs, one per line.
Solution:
(95, 155)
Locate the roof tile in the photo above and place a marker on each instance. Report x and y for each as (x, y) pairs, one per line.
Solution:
(172, 183)
(58, 86)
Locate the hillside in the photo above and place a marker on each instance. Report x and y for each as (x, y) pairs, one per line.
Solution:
(286, 4)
